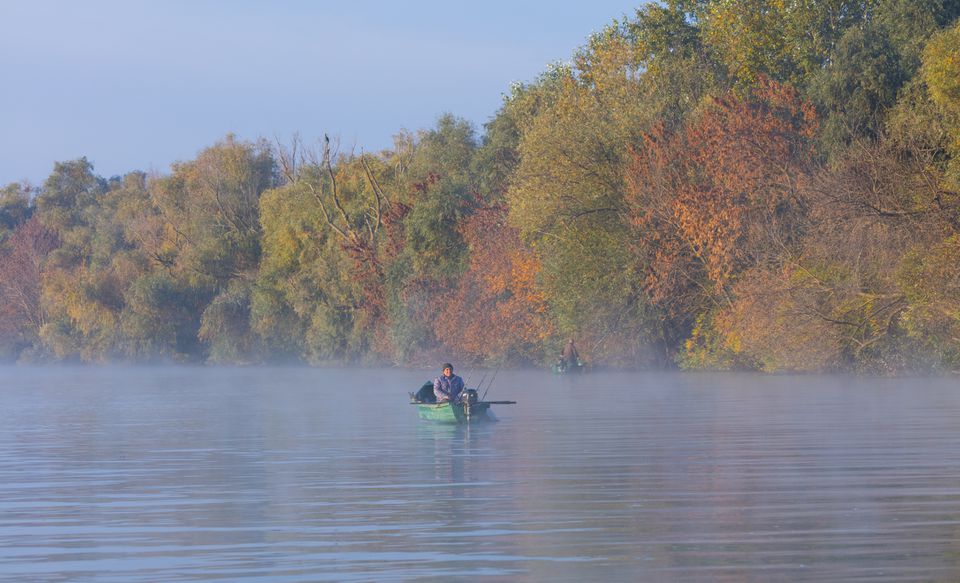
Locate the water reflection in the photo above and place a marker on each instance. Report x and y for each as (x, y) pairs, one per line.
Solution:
(248, 474)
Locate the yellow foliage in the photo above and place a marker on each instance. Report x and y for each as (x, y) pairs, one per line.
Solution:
(941, 69)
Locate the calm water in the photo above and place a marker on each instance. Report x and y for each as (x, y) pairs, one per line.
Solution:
(311, 475)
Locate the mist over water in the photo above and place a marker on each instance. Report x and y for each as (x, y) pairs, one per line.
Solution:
(259, 474)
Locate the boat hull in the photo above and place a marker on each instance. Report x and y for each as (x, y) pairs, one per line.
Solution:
(454, 413)
(559, 368)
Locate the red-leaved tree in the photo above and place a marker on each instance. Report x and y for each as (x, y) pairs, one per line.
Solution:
(21, 268)
(723, 195)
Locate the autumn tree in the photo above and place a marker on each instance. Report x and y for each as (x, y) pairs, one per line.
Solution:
(720, 198)
(498, 308)
(22, 261)
(875, 216)
(322, 270)
(81, 307)
(439, 191)
(210, 214)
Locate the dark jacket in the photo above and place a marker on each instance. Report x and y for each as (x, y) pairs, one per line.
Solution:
(447, 388)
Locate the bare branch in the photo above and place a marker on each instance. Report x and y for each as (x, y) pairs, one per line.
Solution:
(317, 194)
(290, 159)
(377, 191)
(328, 166)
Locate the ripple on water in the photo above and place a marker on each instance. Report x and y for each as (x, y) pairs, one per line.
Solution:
(278, 475)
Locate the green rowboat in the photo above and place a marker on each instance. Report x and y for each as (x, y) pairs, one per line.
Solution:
(469, 409)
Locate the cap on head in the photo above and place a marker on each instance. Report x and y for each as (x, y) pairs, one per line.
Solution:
(447, 365)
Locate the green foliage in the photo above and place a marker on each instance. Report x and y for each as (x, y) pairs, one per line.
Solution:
(497, 158)
(931, 285)
(786, 41)
(443, 194)
(870, 65)
(941, 70)
(15, 208)
(910, 23)
(594, 295)
(86, 279)
(212, 204)
(669, 29)
(140, 258)
(411, 309)
(67, 193)
(161, 319)
(302, 305)
(858, 86)
(225, 325)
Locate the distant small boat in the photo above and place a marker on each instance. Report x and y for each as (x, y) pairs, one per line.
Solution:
(469, 409)
(560, 367)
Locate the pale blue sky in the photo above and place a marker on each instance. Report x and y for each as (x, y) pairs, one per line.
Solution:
(137, 85)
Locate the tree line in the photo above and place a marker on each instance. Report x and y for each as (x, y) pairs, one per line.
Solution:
(735, 184)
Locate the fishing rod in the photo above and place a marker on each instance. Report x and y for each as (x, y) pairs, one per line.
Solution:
(483, 378)
(491, 381)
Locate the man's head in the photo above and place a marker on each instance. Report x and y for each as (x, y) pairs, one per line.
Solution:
(447, 369)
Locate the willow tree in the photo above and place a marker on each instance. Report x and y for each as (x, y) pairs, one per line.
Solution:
(330, 235)
(15, 207)
(210, 209)
(80, 298)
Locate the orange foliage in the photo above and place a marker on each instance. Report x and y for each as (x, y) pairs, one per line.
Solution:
(747, 153)
(721, 195)
(497, 305)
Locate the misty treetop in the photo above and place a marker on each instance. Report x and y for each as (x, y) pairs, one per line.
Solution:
(749, 184)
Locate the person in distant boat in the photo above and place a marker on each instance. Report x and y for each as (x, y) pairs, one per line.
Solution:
(569, 358)
(447, 386)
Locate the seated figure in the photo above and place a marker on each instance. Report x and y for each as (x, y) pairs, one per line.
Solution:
(447, 386)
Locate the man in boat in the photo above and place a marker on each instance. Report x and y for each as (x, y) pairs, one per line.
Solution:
(447, 386)
(570, 358)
